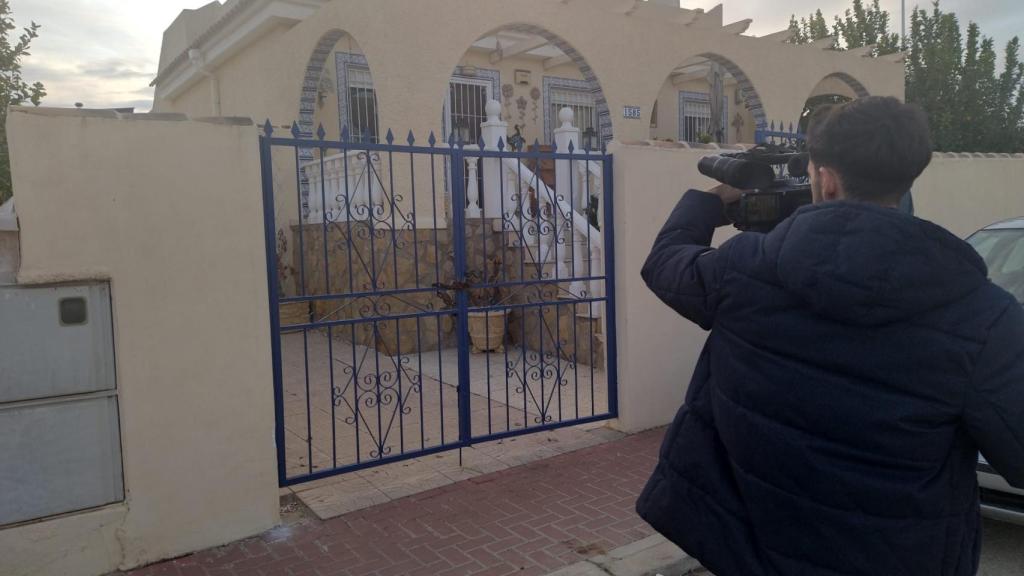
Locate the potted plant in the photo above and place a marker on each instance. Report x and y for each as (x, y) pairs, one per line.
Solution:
(486, 329)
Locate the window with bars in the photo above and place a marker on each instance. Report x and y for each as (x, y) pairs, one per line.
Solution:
(362, 105)
(467, 109)
(583, 108)
(695, 115)
(696, 119)
(464, 111)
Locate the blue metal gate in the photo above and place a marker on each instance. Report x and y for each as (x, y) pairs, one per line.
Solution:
(425, 298)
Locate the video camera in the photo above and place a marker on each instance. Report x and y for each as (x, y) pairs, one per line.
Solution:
(774, 180)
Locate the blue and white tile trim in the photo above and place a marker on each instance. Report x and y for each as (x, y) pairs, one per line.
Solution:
(751, 97)
(307, 104)
(604, 117)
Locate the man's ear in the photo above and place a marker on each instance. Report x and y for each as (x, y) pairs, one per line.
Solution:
(831, 184)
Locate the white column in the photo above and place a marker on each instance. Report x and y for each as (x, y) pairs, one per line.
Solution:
(472, 188)
(492, 131)
(314, 200)
(565, 135)
(564, 183)
(578, 242)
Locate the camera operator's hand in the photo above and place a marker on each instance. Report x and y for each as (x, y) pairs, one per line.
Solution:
(726, 193)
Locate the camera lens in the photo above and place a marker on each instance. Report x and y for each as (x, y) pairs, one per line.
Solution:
(737, 173)
(797, 166)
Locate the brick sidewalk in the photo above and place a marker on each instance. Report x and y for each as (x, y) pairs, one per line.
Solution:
(529, 520)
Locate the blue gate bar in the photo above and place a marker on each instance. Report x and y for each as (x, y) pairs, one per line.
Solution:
(369, 329)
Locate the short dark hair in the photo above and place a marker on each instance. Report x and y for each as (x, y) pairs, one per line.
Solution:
(877, 145)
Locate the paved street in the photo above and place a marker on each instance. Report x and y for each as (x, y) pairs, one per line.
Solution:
(538, 518)
(528, 520)
(1002, 552)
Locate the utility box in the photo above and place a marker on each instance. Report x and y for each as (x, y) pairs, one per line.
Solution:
(60, 444)
(10, 248)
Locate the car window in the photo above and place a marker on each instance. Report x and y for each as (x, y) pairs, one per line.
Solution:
(1003, 252)
(1014, 261)
(984, 242)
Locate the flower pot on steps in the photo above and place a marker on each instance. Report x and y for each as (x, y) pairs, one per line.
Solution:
(487, 330)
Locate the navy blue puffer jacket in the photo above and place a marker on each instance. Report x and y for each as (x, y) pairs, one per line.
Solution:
(857, 361)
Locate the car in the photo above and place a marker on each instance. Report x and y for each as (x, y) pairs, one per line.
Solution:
(1001, 245)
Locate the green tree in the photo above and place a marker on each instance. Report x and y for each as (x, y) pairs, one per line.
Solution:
(869, 26)
(13, 89)
(971, 105)
(858, 27)
(1010, 99)
(808, 29)
(934, 69)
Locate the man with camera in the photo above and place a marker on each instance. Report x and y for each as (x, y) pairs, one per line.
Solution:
(858, 359)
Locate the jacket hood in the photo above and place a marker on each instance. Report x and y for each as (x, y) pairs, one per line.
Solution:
(870, 265)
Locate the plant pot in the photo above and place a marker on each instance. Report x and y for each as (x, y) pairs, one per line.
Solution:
(487, 331)
(294, 313)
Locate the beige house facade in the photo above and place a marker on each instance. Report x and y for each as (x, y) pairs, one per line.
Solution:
(630, 69)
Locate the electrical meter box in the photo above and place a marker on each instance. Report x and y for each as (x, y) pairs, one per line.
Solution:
(60, 444)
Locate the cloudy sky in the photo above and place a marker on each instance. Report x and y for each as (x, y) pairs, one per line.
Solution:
(104, 53)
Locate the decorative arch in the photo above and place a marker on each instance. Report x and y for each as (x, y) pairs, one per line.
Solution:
(311, 80)
(604, 118)
(815, 101)
(308, 102)
(854, 84)
(750, 96)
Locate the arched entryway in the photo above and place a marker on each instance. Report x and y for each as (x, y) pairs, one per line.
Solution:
(337, 90)
(533, 73)
(707, 98)
(833, 89)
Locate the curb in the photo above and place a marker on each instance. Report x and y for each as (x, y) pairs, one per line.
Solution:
(652, 556)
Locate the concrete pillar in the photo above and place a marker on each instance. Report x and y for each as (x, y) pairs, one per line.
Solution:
(564, 135)
(567, 140)
(493, 131)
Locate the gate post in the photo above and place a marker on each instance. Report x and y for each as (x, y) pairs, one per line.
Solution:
(458, 178)
(608, 233)
(270, 240)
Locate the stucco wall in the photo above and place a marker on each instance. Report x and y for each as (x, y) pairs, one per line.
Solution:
(412, 48)
(248, 81)
(170, 213)
(965, 192)
(658, 350)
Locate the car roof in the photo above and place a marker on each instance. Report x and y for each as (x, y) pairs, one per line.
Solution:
(1012, 224)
